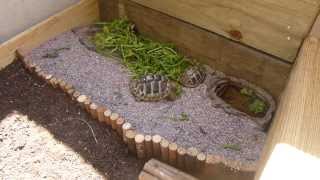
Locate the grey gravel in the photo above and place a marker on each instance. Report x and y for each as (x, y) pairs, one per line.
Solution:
(105, 80)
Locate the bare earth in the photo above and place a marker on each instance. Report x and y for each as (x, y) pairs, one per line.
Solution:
(105, 80)
(44, 135)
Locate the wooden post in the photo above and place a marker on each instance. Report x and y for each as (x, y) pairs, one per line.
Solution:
(148, 146)
(100, 113)
(156, 139)
(181, 153)
(164, 150)
(58, 82)
(140, 147)
(126, 127)
(81, 99)
(70, 92)
(119, 123)
(75, 95)
(173, 154)
(41, 75)
(62, 85)
(67, 87)
(87, 103)
(31, 66)
(93, 110)
(53, 82)
(201, 160)
(113, 120)
(47, 78)
(37, 70)
(130, 135)
(191, 158)
(107, 115)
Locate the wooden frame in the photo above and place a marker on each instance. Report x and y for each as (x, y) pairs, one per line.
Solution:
(257, 23)
(296, 124)
(82, 13)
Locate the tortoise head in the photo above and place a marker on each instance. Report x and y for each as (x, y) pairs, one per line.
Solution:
(174, 92)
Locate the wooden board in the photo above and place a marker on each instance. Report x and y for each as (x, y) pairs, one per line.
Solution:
(292, 149)
(155, 169)
(276, 27)
(82, 13)
(222, 54)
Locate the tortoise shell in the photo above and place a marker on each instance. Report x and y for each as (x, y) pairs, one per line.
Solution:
(151, 88)
(193, 76)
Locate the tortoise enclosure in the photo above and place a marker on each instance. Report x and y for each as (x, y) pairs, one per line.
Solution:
(216, 130)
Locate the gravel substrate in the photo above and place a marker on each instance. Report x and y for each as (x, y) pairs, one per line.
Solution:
(105, 80)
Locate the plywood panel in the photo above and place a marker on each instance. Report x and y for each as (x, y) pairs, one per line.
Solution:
(293, 147)
(276, 27)
(210, 48)
(82, 13)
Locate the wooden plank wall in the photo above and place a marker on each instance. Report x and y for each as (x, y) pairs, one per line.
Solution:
(276, 27)
(294, 137)
(210, 48)
(292, 149)
(81, 13)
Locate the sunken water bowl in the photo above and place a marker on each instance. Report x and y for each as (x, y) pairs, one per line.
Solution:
(226, 93)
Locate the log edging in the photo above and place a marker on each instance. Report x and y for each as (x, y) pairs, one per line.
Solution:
(146, 146)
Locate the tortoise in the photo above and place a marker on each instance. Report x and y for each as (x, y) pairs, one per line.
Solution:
(153, 87)
(193, 76)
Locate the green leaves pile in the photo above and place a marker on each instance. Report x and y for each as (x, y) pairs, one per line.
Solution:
(141, 55)
(256, 104)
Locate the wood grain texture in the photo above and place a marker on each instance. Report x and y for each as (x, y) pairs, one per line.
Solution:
(295, 134)
(220, 53)
(163, 171)
(79, 14)
(257, 23)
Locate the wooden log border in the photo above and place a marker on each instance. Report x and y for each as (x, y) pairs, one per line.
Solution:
(144, 146)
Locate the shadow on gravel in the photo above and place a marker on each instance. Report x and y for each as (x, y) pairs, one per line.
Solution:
(53, 110)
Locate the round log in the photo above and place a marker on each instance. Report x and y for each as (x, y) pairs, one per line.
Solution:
(140, 147)
(81, 99)
(173, 147)
(87, 103)
(53, 82)
(106, 116)
(37, 70)
(201, 160)
(126, 127)
(48, 77)
(164, 150)
(156, 139)
(113, 120)
(100, 113)
(62, 85)
(93, 110)
(31, 66)
(67, 87)
(70, 92)
(119, 123)
(41, 75)
(181, 154)
(75, 95)
(191, 158)
(58, 82)
(130, 136)
(148, 146)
